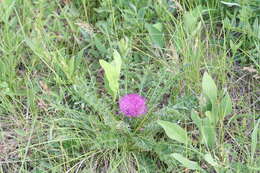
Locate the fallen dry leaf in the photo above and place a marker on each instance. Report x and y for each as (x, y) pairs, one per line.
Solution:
(87, 27)
(256, 76)
(250, 69)
(65, 1)
(44, 86)
(42, 105)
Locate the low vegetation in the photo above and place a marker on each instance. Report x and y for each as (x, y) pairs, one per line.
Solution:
(65, 64)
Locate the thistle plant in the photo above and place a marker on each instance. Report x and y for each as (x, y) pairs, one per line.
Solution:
(132, 105)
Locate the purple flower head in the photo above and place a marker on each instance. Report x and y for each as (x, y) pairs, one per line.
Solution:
(132, 105)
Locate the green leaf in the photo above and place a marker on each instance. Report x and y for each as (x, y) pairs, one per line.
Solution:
(190, 20)
(158, 26)
(226, 106)
(205, 104)
(235, 46)
(196, 119)
(112, 73)
(117, 62)
(101, 48)
(124, 46)
(174, 131)
(254, 140)
(209, 87)
(156, 34)
(207, 129)
(212, 117)
(20, 132)
(6, 8)
(210, 160)
(186, 162)
(208, 133)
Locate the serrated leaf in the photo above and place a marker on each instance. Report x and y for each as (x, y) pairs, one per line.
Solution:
(209, 87)
(210, 160)
(186, 162)
(174, 131)
(112, 73)
(143, 143)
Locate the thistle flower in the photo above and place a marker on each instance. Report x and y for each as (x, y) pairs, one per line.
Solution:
(132, 105)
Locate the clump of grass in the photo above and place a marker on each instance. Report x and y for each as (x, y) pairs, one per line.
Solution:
(57, 114)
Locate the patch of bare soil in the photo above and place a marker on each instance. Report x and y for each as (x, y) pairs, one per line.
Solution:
(244, 89)
(10, 142)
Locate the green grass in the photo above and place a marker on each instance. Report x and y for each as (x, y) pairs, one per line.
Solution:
(57, 116)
